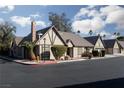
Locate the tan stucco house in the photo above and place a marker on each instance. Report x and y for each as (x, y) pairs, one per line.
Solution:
(112, 46)
(121, 43)
(97, 42)
(48, 37)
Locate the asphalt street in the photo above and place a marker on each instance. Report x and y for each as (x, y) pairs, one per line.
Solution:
(89, 73)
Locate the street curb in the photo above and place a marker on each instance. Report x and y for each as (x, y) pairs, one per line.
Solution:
(5, 58)
(67, 61)
(24, 63)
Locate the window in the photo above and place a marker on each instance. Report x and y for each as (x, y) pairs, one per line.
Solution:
(79, 50)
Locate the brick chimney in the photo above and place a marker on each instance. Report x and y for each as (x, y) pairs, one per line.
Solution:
(33, 32)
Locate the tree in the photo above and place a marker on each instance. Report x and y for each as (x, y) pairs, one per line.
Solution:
(30, 47)
(104, 36)
(116, 34)
(78, 31)
(120, 38)
(60, 22)
(7, 31)
(90, 32)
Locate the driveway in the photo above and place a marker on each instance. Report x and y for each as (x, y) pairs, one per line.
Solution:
(60, 75)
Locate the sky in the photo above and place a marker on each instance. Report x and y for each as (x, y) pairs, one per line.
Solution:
(100, 19)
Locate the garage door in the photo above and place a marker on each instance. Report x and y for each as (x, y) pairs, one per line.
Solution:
(116, 50)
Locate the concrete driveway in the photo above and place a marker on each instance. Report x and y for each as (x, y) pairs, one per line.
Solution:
(60, 75)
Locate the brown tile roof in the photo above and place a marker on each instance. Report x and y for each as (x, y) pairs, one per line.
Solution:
(121, 43)
(75, 39)
(18, 40)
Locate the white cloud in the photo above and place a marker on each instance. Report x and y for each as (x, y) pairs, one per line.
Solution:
(41, 23)
(82, 25)
(96, 19)
(102, 33)
(95, 24)
(108, 9)
(6, 9)
(20, 20)
(82, 12)
(89, 11)
(25, 21)
(114, 15)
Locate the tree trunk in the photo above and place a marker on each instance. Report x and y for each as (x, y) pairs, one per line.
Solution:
(32, 55)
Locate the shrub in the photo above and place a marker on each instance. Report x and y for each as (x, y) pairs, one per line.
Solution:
(95, 53)
(103, 53)
(58, 50)
(87, 54)
(67, 57)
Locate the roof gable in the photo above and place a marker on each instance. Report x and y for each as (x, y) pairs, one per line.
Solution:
(28, 37)
(92, 39)
(109, 43)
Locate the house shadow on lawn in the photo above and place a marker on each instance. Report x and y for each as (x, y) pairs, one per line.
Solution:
(112, 83)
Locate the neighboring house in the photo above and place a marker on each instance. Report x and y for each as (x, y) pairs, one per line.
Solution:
(76, 44)
(112, 46)
(44, 39)
(16, 50)
(97, 42)
(121, 43)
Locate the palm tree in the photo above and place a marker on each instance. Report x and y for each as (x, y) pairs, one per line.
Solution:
(104, 36)
(116, 34)
(78, 31)
(90, 32)
(30, 47)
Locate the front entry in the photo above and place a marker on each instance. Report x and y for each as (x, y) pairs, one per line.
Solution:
(70, 51)
(45, 55)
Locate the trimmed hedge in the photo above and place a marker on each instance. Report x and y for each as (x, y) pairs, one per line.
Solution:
(98, 54)
(58, 51)
(103, 53)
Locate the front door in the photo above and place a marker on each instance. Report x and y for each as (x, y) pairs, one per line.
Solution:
(70, 51)
(45, 55)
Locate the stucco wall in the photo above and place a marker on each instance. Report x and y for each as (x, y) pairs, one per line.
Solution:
(70, 44)
(99, 44)
(122, 51)
(109, 51)
(51, 39)
(116, 45)
(75, 52)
